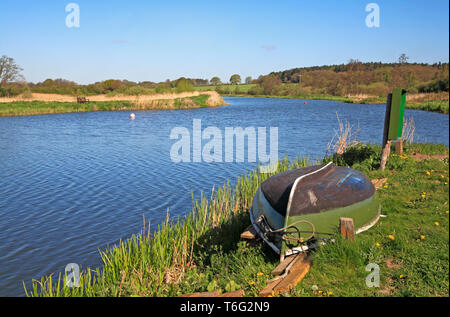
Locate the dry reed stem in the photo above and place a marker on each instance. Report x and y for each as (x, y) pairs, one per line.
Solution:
(343, 137)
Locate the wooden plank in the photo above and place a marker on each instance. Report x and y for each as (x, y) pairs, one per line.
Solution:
(239, 293)
(268, 290)
(295, 275)
(297, 271)
(284, 264)
(249, 233)
(347, 228)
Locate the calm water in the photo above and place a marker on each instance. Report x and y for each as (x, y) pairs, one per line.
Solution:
(71, 184)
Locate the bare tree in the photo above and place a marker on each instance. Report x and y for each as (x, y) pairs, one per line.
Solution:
(9, 70)
(403, 59)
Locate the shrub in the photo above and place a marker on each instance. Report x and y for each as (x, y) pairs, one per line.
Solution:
(184, 85)
(162, 88)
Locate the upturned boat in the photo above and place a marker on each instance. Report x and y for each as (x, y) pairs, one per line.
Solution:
(299, 209)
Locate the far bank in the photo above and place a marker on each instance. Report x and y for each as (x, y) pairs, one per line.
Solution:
(53, 103)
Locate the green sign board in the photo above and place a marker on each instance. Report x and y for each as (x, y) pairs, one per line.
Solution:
(396, 114)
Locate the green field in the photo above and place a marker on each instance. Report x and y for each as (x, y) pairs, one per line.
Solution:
(203, 252)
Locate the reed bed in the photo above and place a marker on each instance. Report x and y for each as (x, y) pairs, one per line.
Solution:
(153, 262)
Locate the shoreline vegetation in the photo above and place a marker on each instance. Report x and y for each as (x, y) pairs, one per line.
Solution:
(202, 251)
(54, 103)
(209, 96)
(433, 102)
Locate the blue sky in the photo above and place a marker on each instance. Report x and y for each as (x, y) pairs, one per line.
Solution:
(158, 40)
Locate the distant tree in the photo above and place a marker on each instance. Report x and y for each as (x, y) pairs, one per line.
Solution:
(111, 84)
(162, 88)
(48, 83)
(9, 70)
(269, 83)
(235, 79)
(248, 80)
(403, 59)
(215, 81)
(184, 85)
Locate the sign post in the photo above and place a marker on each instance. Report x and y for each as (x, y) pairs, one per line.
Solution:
(393, 123)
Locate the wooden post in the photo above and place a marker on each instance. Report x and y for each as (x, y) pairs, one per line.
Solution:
(399, 147)
(386, 144)
(347, 228)
(385, 154)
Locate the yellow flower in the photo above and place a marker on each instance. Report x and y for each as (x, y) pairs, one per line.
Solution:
(401, 276)
(436, 223)
(428, 173)
(260, 274)
(422, 237)
(251, 282)
(442, 176)
(446, 212)
(320, 292)
(391, 237)
(377, 244)
(330, 292)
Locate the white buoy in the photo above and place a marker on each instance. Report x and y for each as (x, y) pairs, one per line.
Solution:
(132, 116)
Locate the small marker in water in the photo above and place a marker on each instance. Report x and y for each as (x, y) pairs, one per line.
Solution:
(305, 102)
(132, 116)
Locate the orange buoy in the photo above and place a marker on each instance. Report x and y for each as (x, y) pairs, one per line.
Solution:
(305, 102)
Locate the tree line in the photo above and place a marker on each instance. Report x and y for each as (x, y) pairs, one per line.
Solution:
(352, 78)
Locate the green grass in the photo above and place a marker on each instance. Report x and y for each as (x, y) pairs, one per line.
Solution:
(440, 106)
(25, 108)
(202, 251)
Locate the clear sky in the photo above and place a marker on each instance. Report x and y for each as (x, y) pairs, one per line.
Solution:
(158, 40)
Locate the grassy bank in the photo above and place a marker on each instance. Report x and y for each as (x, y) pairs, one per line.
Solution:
(25, 108)
(202, 251)
(434, 102)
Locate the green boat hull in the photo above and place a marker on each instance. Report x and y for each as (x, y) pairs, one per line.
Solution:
(323, 224)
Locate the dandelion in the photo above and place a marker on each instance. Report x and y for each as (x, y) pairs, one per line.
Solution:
(424, 194)
(428, 172)
(330, 292)
(442, 176)
(401, 276)
(315, 288)
(446, 212)
(377, 244)
(391, 237)
(422, 237)
(251, 283)
(436, 223)
(260, 274)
